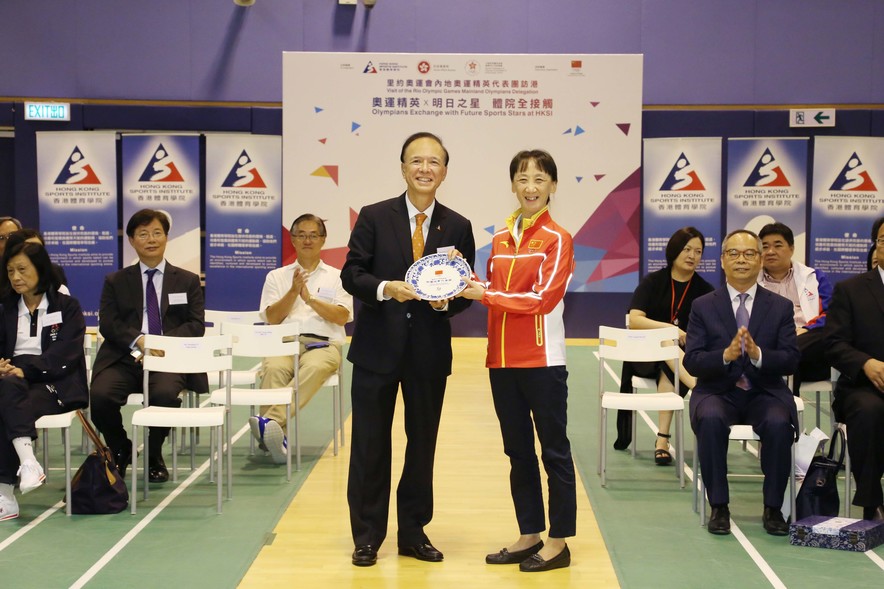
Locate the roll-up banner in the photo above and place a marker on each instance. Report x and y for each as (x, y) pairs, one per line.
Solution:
(848, 176)
(767, 182)
(682, 187)
(243, 216)
(77, 187)
(162, 172)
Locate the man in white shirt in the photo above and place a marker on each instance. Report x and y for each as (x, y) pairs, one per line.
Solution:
(809, 290)
(308, 292)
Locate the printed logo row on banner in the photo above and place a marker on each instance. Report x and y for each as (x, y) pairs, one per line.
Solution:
(79, 207)
(766, 182)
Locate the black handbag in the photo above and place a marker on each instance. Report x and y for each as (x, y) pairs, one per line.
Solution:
(97, 487)
(819, 491)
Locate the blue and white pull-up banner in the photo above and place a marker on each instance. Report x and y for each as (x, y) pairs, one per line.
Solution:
(767, 182)
(163, 172)
(77, 187)
(243, 216)
(682, 187)
(848, 189)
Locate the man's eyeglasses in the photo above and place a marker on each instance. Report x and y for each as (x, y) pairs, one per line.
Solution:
(306, 236)
(4, 237)
(734, 254)
(879, 242)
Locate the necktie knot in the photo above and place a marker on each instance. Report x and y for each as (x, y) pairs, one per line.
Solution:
(420, 218)
(150, 273)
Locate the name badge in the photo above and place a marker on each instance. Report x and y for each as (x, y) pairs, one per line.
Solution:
(326, 294)
(177, 298)
(52, 318)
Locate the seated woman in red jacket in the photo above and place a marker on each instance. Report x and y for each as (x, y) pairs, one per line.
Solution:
(42, 364)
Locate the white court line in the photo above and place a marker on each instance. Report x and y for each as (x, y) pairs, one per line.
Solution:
(759, 561)
(875, 559)
(131, 535)
(30, 526)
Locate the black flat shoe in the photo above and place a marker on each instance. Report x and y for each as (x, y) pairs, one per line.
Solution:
(875, 514)
(156, 470)
(122, 458)
(365, 555)
(773, 522)
(507, 557)
(720, 521)
(536, 564)
(425, 552)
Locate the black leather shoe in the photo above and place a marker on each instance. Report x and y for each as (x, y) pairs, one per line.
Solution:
(123, 457)
(720, 521)
(424, 551)
(156, 469)
(536, 564)
(876, 514)
(507, 557)
(773, 522)
(365, 555)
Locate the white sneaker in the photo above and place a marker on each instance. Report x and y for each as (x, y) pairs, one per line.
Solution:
(255, 426)
(8, 508)
(274, 440)
(32, 476)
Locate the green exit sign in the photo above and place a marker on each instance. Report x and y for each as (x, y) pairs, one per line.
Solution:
(47, 111)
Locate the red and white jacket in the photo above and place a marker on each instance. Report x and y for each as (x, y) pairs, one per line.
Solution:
(527, 280)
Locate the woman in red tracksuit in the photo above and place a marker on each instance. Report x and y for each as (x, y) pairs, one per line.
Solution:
(531, 263)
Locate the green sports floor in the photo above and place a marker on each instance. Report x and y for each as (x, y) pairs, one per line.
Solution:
(651, 532)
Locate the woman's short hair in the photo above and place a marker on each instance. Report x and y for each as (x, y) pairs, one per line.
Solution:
(679, 240)
(541, 159)
(40, 259)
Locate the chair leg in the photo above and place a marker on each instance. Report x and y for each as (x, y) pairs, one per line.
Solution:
(297, 430)
(133, 496)
(604, 446)
(288, 450)
(45, 443)
(217, 434)
(817, 408)
(634, 433)
(145, 480)
(229, 449)
(174, 434)
(335, 410)
(679, 439)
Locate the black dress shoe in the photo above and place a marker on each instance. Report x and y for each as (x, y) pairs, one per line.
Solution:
(424, 551)
(365, 555)
(123, 457)
(507, 557)
(773, 522)
(156, 469)
(720, 521)
(876, 514)
(536, 564)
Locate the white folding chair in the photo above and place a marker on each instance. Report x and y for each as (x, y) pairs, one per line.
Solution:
(183, 355)
(63, 422)
(744, 433)
(645, 345)
(819, 387)
(262, 341)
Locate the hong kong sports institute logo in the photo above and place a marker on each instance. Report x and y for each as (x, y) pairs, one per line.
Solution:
(244, 174)
(854, 177)
(682, 176)
(161, 168)
(77, 170)
(767, 172)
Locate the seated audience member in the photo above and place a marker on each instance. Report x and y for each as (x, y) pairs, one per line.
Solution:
(741, 342)
(7, 225)
(151, 296)
(810, 292)
(34, 236)
(42, 365)
(308, 292)
(664, 298)
(855, 346)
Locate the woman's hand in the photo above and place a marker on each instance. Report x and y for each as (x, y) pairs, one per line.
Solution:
(474, 291)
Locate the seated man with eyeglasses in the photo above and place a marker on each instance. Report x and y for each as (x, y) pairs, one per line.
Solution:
(308, 292)
(741, 342)
(7, 225)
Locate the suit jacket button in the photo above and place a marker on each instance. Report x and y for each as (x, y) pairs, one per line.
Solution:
(408, 315)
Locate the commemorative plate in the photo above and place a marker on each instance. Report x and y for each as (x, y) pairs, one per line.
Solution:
(435, 277)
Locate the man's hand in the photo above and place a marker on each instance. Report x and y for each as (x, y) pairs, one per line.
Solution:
(874, 369)
(400, 291)
(752, 350)
(734, 349)
(800, 330)
(299, 284)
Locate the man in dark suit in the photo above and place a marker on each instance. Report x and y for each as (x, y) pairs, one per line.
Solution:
(741, 342)
(855, 345)
(400, 340)
(151, 296)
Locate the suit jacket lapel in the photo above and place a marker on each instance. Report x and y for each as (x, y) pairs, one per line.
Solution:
(136, 289)
(168, 284)
(726, 310)
(876, 288)
(400, 225)
(760, 308)
(434, 229)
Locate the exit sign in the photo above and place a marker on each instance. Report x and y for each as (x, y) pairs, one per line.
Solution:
(816, 117)
(47, 111)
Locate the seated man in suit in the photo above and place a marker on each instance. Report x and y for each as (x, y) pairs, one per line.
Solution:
(308, 292)
(855, 346)
(7, 225)
(154, 297)
(740, 344)
(809, 290)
